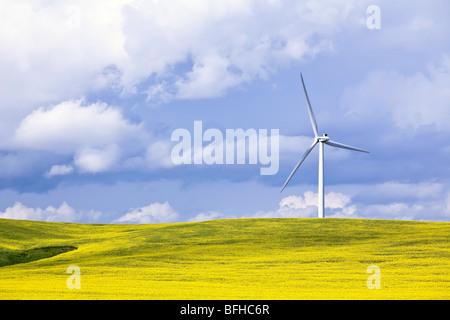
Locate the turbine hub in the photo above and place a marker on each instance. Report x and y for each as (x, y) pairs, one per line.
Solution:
(323, 138)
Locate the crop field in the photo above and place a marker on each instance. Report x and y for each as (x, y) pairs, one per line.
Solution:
(227, 259)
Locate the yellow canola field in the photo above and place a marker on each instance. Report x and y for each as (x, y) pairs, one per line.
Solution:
(230, 259)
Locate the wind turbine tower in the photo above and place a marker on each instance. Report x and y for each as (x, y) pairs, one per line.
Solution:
(321, 140)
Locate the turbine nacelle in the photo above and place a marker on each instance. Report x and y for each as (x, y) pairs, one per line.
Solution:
(323, 138)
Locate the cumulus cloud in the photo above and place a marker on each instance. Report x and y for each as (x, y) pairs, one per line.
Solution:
(395, 200)
(428, 210)
(76, 42)
(166, 49)
(391, 200)
(154, 213)
(411, 101)
(57, 170)
(204, 216)
(95, 134)
(184, 47)
(96, 160)
(411, 201)
(72, 125)
(195, 36)
(338, 205)
(64, 213)
(86, 46)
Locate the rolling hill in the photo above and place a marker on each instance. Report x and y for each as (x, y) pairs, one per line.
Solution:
(226, 259)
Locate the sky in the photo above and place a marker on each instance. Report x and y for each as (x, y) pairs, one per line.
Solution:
(91, 93)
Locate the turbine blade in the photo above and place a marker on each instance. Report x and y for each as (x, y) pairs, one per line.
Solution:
(311, 114)
(343, 146)
(299, 163)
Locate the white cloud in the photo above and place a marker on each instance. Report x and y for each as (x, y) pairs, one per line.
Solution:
(97, 160)
(411, 101)
(55, 51)
(204, 216)
(421, 201)
(435, 210)
(71, 125)
(57, 170)
(153, 213)
(95, 134)
(210, 77)
(64, 213)
(395, 200)
(338, 204)
(196, 35)
(59, 51)
(21, 212)
(400, 211)
(191, 49)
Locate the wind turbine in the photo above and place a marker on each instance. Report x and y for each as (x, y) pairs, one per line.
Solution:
(318, 140)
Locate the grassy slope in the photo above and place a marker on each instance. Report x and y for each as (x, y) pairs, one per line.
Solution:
(231, 259)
